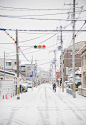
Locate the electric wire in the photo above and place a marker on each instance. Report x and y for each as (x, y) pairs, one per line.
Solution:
(42, 18)
(20, 9)
(82, 26)
(71, 39)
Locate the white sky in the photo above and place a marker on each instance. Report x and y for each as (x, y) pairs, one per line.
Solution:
(45, 55)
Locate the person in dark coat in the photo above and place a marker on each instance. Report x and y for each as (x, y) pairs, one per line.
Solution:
(54, 87)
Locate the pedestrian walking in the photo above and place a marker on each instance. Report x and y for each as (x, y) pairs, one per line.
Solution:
(54, 87)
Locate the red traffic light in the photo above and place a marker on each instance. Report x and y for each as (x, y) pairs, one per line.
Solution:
(43, 46)
(39, 46)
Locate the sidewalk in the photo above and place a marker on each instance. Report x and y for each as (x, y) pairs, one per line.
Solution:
(79, 100)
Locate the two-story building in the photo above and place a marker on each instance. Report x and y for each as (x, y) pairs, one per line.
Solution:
(82, 89)
(10, 64)
(26, 70)
(67, 59)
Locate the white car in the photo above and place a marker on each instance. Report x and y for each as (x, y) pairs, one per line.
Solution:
(29, 84)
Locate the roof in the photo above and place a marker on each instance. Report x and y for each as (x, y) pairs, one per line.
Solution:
(7, 72)
(82, 49)
(77, 45)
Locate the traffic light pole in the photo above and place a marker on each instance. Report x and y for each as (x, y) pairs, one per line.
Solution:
(36, 72)
(17, 60)
(73, 57)
(4, 65)
(32, 71)
(52, 74)
(55, 65)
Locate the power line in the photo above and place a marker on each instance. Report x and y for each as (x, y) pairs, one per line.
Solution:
(34, 38)
(28, 9)
(58, 30)
(8, 16)
(77, 18)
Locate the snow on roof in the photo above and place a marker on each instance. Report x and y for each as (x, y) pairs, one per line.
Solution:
(81, 49)
(8, 61)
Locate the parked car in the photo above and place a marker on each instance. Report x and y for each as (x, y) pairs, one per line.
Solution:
(24, 87)
(29, 84)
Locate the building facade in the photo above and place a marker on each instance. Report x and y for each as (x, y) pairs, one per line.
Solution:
(82, 89)
(44, 76)
(67, 60)
(10, 64)
(26, 70)
(82, 51)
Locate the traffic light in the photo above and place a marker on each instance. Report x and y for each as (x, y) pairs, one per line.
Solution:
(35, 46)
(43, 46)
(39, 46)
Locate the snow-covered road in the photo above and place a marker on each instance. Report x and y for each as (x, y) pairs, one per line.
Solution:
(43, 107)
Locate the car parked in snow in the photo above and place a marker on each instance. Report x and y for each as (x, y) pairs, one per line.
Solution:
(29, 84)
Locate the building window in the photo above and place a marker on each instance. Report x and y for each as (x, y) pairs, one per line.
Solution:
(72, 53)
(75, 62)
(85, 59)
(8, 63)
(71, 62)
(66, 70)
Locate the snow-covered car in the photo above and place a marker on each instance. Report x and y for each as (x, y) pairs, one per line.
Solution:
(29, 84)
(24, 87)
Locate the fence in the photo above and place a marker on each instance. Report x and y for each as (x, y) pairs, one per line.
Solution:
(7, 89)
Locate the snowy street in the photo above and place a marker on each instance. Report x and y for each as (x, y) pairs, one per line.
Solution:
(41, 106)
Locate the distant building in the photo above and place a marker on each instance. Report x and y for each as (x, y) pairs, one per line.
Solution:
(26, 70)
(44, 76)
(67, 60)
(10, 64)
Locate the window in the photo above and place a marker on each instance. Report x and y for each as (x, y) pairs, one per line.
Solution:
(85, 59)
(66, 70)
(72, 54)
(71, 62)
(75, 62)
(8, 63)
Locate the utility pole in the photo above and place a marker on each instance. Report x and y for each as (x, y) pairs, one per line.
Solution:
(4, 65)
(55, 65)
(17, 60)
(73, 50)
(36, 72)
(52, 74)
(62, 61)
(32, 71)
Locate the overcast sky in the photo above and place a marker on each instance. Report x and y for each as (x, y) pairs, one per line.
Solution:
(25, 15)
